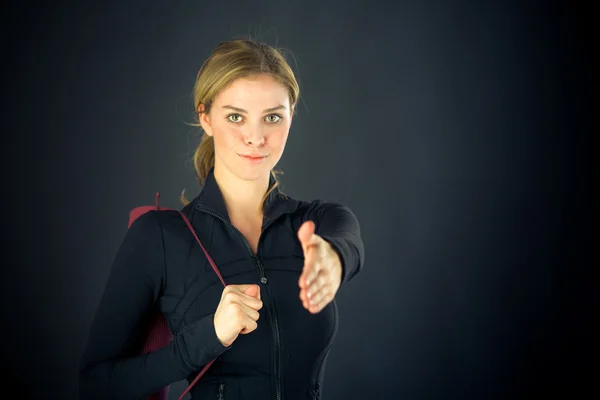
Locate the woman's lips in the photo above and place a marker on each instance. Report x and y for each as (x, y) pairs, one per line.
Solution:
(253, 158)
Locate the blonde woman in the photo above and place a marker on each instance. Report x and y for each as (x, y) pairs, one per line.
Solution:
(283, 260)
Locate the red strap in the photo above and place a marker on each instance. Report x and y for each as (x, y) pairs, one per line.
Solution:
(212, 263)
(206, 367)
(214, 267)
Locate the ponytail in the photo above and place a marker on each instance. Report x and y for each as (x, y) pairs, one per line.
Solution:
(204, 160)
(229, 61)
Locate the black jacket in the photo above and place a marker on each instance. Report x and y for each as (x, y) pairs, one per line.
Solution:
(160, 264)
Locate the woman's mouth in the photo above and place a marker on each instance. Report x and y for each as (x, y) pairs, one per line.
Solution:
(253, 158)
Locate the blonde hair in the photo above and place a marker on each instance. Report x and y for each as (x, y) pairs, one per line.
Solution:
(229, 61)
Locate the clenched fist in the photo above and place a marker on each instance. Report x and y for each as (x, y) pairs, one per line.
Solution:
(237, 312)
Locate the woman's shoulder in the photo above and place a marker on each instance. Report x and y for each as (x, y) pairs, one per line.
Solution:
(163, 228)
(158, 221)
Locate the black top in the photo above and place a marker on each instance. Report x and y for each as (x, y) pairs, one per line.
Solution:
(160, 264)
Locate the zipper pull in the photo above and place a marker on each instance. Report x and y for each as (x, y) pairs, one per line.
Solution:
(263, 278)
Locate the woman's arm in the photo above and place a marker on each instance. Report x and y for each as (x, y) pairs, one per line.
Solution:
(109, 367)
(338, 225)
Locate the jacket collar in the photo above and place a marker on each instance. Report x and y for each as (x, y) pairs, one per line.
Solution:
(211, 200)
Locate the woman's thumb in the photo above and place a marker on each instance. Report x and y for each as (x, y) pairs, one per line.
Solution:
(252, 290)
(306, 232)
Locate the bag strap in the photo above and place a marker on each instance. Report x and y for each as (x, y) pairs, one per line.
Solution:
(210, 260)
(212, 263)
(189, 225)
(214, 267)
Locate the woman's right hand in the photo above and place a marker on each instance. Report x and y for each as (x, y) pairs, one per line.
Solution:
(237, 312)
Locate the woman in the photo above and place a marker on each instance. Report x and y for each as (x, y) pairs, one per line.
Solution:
(283, 260)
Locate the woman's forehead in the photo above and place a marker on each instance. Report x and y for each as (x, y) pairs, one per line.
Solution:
(255, 92)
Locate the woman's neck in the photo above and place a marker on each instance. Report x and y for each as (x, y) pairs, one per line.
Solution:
(243, 199)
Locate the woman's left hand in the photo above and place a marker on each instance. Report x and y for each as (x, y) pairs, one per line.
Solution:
(322, 272)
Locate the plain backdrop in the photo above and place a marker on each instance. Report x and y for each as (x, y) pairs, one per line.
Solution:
(456, 131)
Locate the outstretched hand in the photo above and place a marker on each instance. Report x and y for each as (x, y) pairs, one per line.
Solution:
(322, 272)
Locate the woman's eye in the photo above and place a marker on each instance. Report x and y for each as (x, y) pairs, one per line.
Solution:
(234, 117)
(273, 118)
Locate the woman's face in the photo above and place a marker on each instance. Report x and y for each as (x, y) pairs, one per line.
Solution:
(249, 121)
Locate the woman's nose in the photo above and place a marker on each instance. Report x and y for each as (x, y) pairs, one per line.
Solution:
(254, 136)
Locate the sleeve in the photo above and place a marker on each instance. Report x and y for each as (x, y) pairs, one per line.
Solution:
(109, 368)
(338, 225)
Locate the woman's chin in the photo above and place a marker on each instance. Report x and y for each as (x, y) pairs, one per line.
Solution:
(254, 172)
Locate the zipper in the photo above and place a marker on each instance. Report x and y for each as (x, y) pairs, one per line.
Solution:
(263, 278)
(276, 338)
(325, 353)
(221, 395)
(271, 304)
(261, 269)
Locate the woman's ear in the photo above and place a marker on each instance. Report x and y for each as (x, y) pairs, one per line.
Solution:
(204, 119)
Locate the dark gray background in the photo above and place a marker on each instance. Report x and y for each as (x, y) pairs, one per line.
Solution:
(456, 131)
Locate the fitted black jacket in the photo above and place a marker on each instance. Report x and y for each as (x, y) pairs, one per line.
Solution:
(160, 264)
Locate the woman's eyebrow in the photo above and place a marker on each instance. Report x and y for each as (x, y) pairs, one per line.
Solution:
(240, 110)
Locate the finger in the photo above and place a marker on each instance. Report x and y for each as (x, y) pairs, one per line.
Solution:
(314, 294)
(242, 298)
(325, 300)
(251, 302)
(307, 300)
(240, 287)
(313, 300)
(249, 326)
(251, 290)
(304, 298)
(318, 297)
(305, 233)
(247, 311)
(311, 268)
(318, 283)
(306, 304)
(307, 237)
